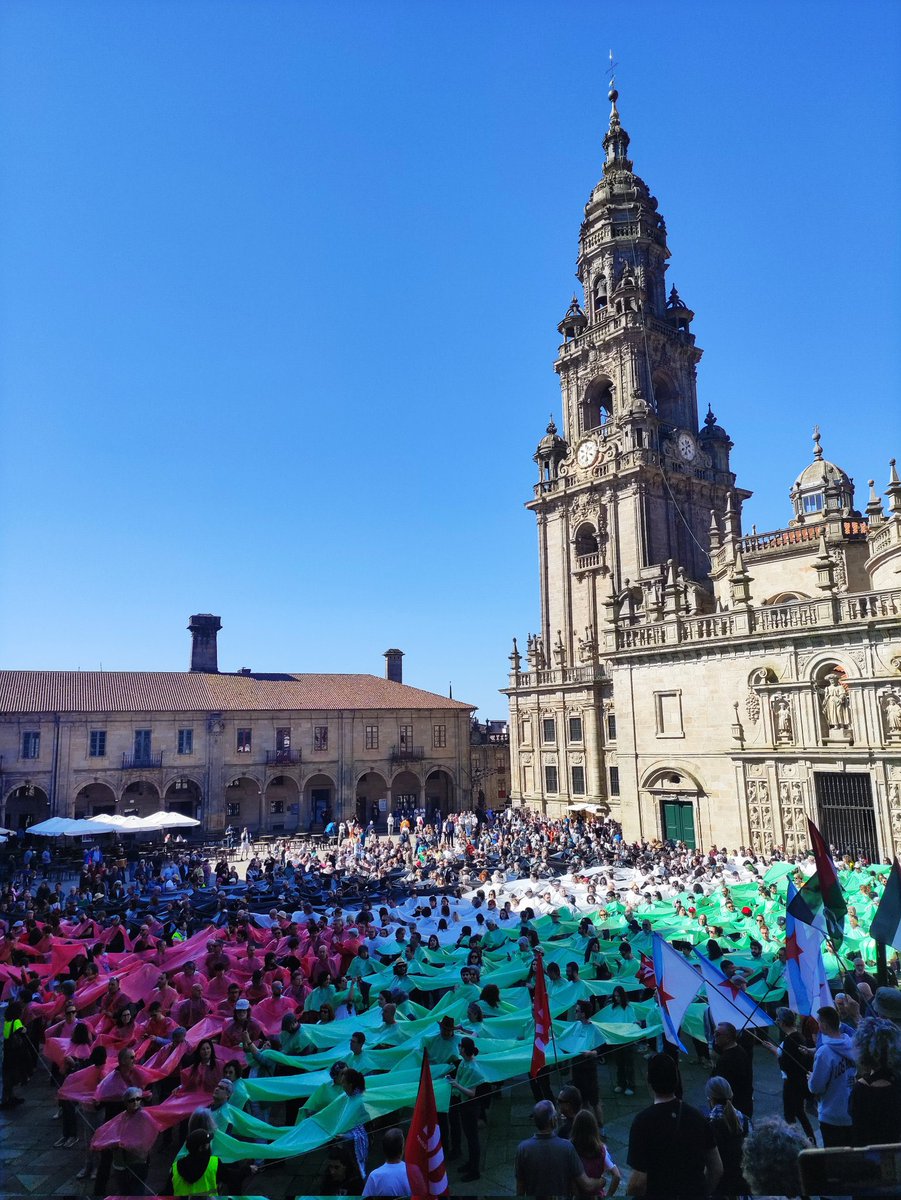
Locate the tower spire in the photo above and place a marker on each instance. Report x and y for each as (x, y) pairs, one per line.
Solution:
(616, 140)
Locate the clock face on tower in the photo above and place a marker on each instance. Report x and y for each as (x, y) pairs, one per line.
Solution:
(685, 444)
(587, 452)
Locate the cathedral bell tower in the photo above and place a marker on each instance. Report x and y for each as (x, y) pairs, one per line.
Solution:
(628, 493)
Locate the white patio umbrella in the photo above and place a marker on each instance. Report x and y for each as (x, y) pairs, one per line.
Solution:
(60, 827)
(168, 820)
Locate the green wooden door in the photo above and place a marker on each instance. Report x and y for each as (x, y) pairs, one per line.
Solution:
(679, 822)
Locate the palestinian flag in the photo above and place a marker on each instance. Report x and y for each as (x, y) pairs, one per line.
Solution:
(886, 926)
(820, 901)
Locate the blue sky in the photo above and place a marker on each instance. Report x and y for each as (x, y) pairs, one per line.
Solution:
(280, 283)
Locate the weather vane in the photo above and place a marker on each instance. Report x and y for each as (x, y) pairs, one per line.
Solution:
(613, 66)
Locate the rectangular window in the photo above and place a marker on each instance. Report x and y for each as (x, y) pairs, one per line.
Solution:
(814, 503)
(372, 737)
(142, 746)
(578, 777)
(549, 731)
(614, 781)
(31, 744)
(405, 735)
(233, 809)
(550, 780)
(320, 737)
(244, 741)
(575, 729)
(276, 807)
(668, 711)
(283, 739)
(97, 743)
(611, 727)
(186, 741)
(439, 737)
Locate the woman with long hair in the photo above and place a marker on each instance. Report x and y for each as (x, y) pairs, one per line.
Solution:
(589, 1145)
(202, 1072)
(621, 1012)
(730, 1128)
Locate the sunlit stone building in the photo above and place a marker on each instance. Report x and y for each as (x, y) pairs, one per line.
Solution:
(274, 751)
(696, 681)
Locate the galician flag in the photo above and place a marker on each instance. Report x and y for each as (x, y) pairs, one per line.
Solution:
(677, 985)
(728, 1002)
(423, 1152)
(541, 1011)
(820, 901)
(886, 925)
(805, 972)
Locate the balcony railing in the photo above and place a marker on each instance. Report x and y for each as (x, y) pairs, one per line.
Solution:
(277, 758)
(131, 762)
(407, 753)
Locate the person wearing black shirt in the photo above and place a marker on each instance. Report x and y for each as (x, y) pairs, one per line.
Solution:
(672, 1148)
(795, 1061)
(734, 1065)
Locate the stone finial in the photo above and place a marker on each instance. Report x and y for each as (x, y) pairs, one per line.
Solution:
(825, 567)
(893, 491)
(817, 448)
(515, 658)
(875, 515)
(715, 539)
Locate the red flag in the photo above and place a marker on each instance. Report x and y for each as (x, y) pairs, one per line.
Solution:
(646, 974)
(423, 1153)
(541, 1011)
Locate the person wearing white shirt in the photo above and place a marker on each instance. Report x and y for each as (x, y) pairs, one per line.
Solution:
(391, 1178)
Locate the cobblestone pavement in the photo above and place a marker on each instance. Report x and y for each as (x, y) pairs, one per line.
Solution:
(30, 1166)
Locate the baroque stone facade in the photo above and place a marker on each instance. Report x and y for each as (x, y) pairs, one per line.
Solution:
(697, 682)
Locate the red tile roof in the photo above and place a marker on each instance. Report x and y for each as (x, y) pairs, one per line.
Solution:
(183, 691)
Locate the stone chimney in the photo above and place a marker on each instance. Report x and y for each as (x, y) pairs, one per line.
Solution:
(394, 665)
(203, 628)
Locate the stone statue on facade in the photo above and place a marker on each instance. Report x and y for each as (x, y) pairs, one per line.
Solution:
(891, 707)
(836, 708)
(587, 648)
(782, 719)
(537, 661)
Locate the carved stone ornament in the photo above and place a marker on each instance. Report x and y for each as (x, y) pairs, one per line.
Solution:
(794, 817)
(894, 808)
(216, 726)
(760, 816)
(752, 706)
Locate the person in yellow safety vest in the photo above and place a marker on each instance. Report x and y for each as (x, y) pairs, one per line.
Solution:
(15, 1054)
(195, 1173)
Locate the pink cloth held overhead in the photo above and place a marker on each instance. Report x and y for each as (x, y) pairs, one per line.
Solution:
(134, 1132)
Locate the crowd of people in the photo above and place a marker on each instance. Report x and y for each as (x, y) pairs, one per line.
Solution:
(203, 1019)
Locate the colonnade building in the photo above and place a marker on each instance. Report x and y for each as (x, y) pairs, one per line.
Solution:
(275, 752)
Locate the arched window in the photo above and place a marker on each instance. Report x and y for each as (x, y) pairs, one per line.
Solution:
(666, 399)
(599, 294)
(586, 540)
(597, 407)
